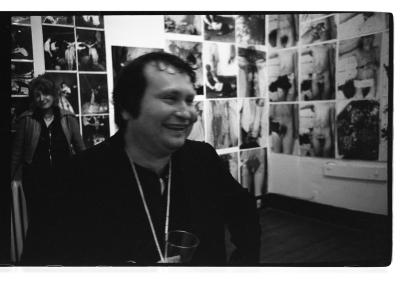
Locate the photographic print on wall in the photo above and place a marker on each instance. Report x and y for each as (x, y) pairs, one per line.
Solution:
(183, 24)
(219, 28)
(221, 123)
(221, 69)
(284, 128)
(252, 72)
(192, 53)
(91, 50)
(283, 30)
(317, 79)
(59, 46)
(95, 129)
(21, 75)
(250, 29)
(58, 20)
(89, 21)
(253, 123)
(254, 170)
(319, 30)
(94, 93)
(282, 73)
(21, 42)
(317, 129)
(67, 87)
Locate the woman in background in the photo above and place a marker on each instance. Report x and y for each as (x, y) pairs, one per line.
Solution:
(46, 137)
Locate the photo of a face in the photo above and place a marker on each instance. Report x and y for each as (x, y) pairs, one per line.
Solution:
(231, 163)
(359, 67)
(198, 132)
(94, 93)
(122, 55)
(282, 76)
(317, 78)
(58, 20)
(357, 124)
(222, 128)
(317, 130)
(319, 30)
(221, 69)
(21, 75)
(355, 24)
(219, 28)
(284, 128)
(183, 24)
(283, 30)
(59, 47)
(21, 42)
(91, 50)
(253, 123)
(21, 20)
(191, 52)
(250, 29)
(253, 170)
(67, 87)
(252, 72)
(90, 21)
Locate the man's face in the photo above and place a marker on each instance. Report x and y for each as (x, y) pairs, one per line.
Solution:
(167, 111)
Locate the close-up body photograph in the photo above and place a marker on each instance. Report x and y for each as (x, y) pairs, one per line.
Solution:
(186, 139)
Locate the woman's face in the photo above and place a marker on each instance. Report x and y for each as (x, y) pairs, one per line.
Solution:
(43, 101)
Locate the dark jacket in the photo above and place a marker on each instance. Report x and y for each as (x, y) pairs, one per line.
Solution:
(27, 138)
(103, 222)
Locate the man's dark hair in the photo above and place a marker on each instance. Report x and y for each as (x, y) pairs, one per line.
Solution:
(131, 82)
(44, 84)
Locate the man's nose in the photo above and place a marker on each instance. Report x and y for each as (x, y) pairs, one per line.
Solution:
(186, 112)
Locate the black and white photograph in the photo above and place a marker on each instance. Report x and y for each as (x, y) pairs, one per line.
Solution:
(250, 29)
(317, 129)
(221, 123)
(183, 24)
(67, 88)
(59, 46)
(21, 75)
(221, 69)
(252, 72)
(263, 137)
(284, 128)
(219, 28)
(122, 55)
(282, 70)
(317, 78)
(253, 123)
(192, 53)
(58, 20)
(283, 30)
(95, 129)
(358, 67)
(94, 93)
(91, 50)
(319, 30)
(357, 124)
(198, 131)
(21, 42)
(231, 163)
(89, 21)
(356, 24)
(254, 171)
(23, 20)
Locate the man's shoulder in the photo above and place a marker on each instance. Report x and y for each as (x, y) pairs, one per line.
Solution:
(197, 147)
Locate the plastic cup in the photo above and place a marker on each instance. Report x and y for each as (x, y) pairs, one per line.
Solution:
(181, 246)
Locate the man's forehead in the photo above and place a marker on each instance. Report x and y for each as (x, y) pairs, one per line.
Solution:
(162, 66)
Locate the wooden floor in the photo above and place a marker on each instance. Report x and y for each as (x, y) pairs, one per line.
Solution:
(289, 239)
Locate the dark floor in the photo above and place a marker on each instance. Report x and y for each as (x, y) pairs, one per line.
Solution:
(289, 239)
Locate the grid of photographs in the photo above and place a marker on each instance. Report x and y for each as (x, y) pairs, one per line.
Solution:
(22, 68)
(74, 55)
(310, 85)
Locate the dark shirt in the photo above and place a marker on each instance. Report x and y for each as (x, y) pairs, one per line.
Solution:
(102, 220)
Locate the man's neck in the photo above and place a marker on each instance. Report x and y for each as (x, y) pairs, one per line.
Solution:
(147, 159)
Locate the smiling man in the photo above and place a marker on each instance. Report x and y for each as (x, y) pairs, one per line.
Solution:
(124, 195)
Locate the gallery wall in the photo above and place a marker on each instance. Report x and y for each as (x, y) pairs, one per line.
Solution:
(294, 104)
